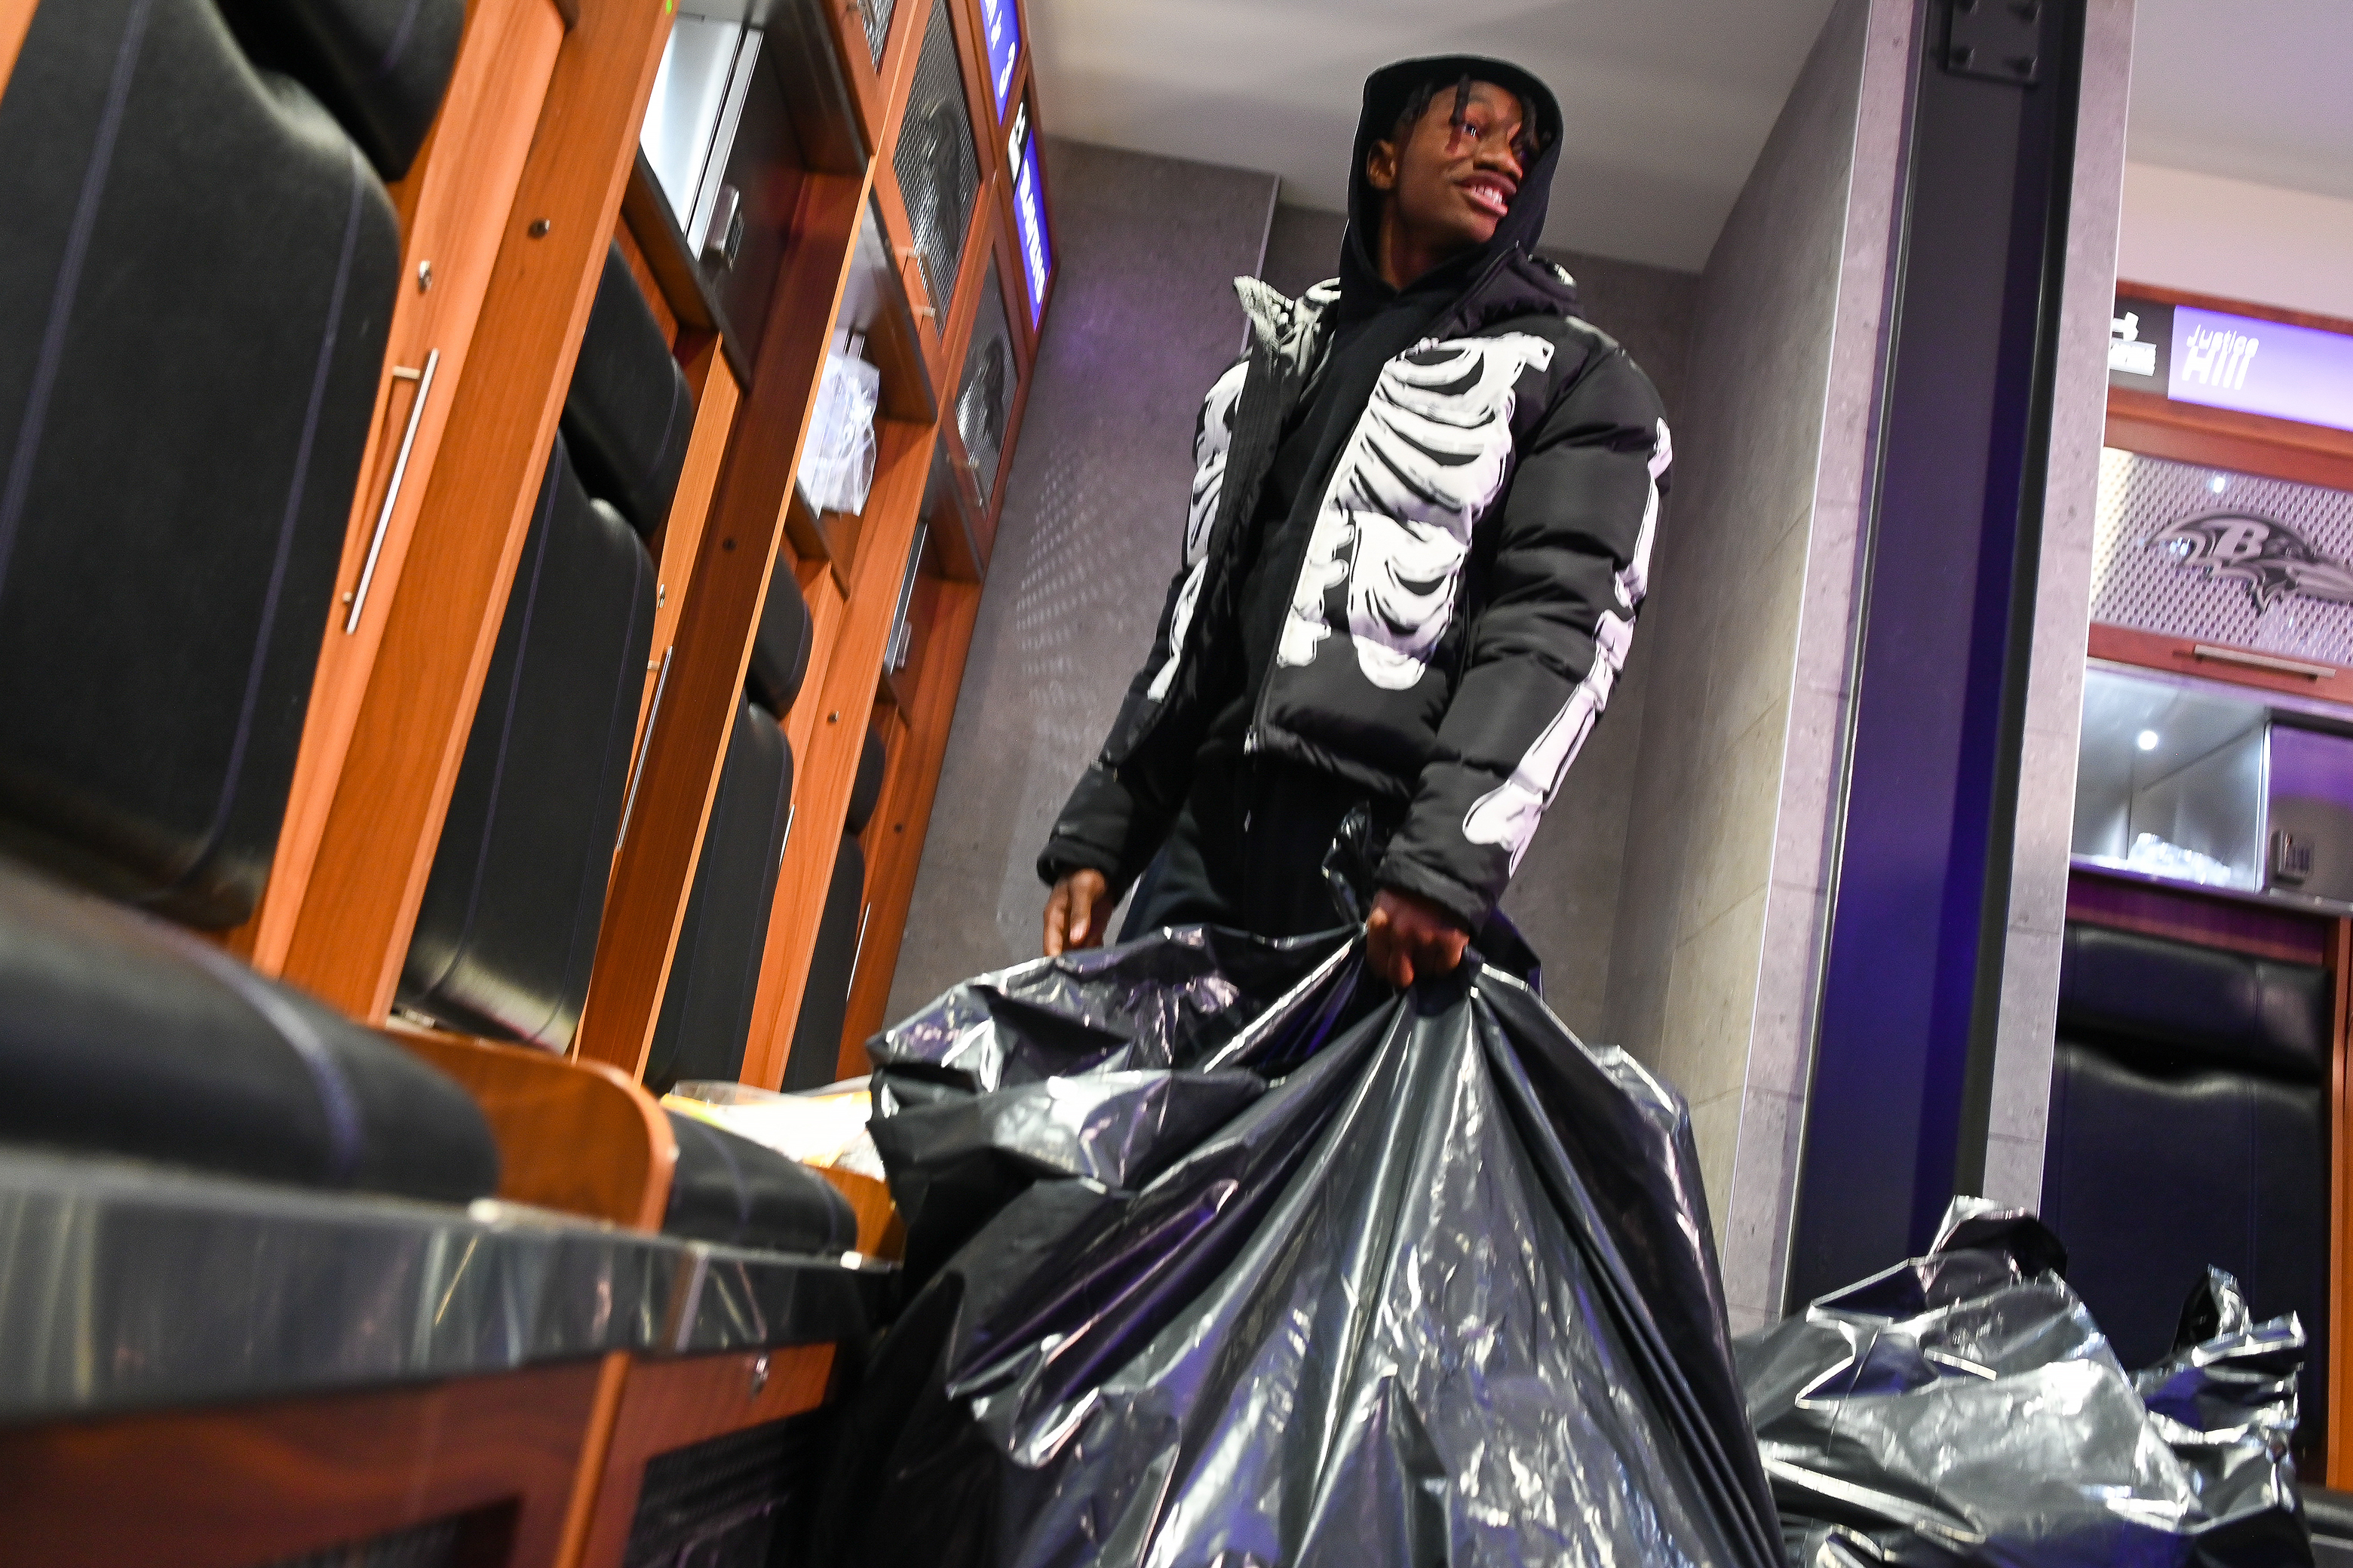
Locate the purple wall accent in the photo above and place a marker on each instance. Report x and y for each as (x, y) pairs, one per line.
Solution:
(2311, 764)
(1000, 21)
(2262, 367)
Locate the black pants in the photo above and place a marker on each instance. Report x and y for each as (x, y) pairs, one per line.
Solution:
(1248, 851)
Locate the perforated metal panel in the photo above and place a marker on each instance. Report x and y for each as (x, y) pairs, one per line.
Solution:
(433, 1545)
(939, 172)
(721, 1504)
(2270, 578)
(985, 396)
(876, 15)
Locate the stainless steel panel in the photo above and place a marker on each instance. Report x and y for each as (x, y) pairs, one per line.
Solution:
(125, 1287)
(2183, 765)
(2311, 786)
(691, 95)
(730, 1299)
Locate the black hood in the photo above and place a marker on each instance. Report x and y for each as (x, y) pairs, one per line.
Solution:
(1386, 93)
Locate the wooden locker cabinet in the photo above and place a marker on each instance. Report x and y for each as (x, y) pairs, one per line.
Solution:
(376, 848)
(2150, 423)
(468, 171)
(531, 171)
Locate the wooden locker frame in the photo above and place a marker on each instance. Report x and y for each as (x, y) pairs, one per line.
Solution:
(377, 849)
(2154, 424)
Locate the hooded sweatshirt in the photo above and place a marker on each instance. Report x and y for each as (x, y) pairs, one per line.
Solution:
(1372, 324)
(1420, 524)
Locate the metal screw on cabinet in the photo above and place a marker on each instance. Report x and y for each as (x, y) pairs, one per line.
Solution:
(539, 228)
(759, 1373)
(424, 276)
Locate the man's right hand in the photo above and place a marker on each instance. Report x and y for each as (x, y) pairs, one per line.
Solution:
(1076, 913)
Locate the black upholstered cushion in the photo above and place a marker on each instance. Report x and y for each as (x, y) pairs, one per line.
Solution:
(2188, 1127)
(706, 1011)
(508, 927)
(866, 790)
(741, 1194)
(196, 273)
(380, 65)
(628, 415)
(825, 1001)
(122, 1035)
(780, 649)
(2201, 1004)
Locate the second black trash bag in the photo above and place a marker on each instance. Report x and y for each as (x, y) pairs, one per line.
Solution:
(1963, 1408)
(1283, 1267)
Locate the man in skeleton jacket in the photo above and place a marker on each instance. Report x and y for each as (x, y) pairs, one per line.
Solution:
(1420, 524)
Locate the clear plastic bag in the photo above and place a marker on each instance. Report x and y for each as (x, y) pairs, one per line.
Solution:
(837, 460)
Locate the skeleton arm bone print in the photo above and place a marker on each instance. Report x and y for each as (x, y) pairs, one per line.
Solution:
(1508, 813)
(1106, 826)
(1572, 561)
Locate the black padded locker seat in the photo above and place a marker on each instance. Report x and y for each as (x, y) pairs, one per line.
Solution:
(866, 787)
(122, 1035)
(197, 269)
(2188, 1127)
(508, 927)
(780, 646)
(706, 1011)
(730, 1190)
(833, 962)
(380, 65)
(629, 414)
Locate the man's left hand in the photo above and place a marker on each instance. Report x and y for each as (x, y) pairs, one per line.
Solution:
(1410, 937)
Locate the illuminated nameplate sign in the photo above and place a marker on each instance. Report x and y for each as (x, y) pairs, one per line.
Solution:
(1029, 210)
(1001, 21)
(2261, 367)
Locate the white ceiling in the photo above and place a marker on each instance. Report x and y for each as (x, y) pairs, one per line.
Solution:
(1667, 101)
(2253, 89)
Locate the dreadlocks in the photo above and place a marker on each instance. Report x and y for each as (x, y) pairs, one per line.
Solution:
(1526, 146)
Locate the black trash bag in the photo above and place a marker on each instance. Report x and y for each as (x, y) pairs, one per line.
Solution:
(1963, 1408)
(1323, 1276)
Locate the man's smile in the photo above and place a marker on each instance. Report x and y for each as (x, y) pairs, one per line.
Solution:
(1489, 193)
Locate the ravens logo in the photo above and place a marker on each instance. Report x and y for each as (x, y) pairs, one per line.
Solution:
(2270, 558)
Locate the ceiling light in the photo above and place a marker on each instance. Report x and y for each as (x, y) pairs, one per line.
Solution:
(2146, 740)
(2218, 484)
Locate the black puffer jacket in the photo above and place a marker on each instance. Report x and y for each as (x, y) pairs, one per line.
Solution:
(1482, 540)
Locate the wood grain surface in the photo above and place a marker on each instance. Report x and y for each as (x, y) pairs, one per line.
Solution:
(839, 709)
(453, 206)
(894, 838)
(237, 1487)
(669, 1405)
(376, 850)
(574, 1136)
(655, 870)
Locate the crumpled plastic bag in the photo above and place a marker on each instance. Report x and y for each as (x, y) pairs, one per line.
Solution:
(1230, 1255)
(1963, 1408)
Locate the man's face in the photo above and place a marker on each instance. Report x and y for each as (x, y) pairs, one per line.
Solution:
(1449, 185)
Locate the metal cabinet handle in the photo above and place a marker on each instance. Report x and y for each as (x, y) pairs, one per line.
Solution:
(645, 744)
(2265, 661)
(392, 492)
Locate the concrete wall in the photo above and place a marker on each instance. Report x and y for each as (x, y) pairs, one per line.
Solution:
(2244, 241)
(1566, 896)
(2099, 202)
(1143, 318)
(1721, 911)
